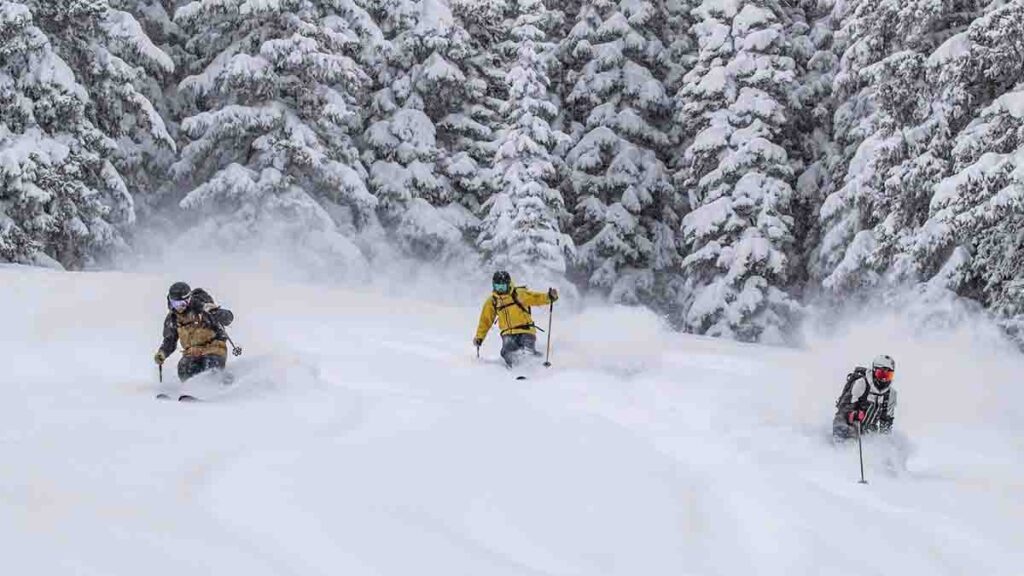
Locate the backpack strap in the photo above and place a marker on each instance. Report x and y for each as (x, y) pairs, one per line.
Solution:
(518, 303)
(515, 302)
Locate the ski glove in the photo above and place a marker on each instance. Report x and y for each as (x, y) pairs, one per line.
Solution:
(477, 342)
(159, 357)
(855, 416)
(553, 294)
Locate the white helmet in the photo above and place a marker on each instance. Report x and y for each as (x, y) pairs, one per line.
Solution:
(883, 370)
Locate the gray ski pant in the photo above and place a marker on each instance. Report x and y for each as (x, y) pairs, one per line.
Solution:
(515, 346)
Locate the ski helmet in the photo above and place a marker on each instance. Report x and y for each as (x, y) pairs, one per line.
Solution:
(502, 281)
(883, 370)
(178, 291)
(178, 296)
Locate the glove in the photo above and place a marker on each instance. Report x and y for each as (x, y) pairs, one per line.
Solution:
(477, 342)
(885, 425)
(159, 357)
(855, 416)
(553, 294)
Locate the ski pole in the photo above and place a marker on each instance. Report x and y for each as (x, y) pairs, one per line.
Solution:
(235, 350)
(860, 452)
(551, 314)
(160, 367)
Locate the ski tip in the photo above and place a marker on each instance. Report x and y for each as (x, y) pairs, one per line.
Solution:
(520, 377)
(162, 396)
(187, 398)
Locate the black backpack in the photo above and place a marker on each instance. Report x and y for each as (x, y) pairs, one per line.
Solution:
(200, 297)
(858, 373)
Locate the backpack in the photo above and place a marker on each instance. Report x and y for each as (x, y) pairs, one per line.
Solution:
(201, 296)
(858, 373)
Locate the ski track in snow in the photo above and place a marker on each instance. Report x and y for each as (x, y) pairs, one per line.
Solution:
(363, 437)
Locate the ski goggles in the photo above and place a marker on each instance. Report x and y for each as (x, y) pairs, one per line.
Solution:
(178, 305)
(501, 287)
(884, 375)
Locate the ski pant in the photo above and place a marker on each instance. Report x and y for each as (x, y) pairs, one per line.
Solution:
(841, 430)
(190, 366)
(515, 346)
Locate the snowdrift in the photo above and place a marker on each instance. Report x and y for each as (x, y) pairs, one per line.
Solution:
(362, 436)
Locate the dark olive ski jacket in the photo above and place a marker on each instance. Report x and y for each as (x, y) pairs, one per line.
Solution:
(199, 328)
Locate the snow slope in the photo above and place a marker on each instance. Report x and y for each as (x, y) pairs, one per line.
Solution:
(363, 437)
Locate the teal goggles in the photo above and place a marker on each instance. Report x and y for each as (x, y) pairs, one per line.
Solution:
(501, 288)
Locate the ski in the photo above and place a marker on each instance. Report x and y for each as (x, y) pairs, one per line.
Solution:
(179, 398)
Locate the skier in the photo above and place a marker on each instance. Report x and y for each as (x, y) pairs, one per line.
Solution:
(510, 305)
(867, 399)
(198, 322)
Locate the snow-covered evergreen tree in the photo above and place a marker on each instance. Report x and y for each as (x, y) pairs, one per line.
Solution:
(421, 142)
(270, 153)
(979, 211)
(713, 159)
(522, 230)
(972, 242)
(122, 69)
(149, 162)
(894, 148)
(71, 116)
(489, 25)
(467, 132)
(970, 72)
(157, 18)
(738, 175)
(812, 33)
(625, 208)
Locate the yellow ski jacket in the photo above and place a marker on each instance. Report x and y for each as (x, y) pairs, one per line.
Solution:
(512, 311)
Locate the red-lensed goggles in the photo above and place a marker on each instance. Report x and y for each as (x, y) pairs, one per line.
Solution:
(884, 374)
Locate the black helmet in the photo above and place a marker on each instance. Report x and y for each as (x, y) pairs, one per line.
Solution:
(178, 291)
(501, 281)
